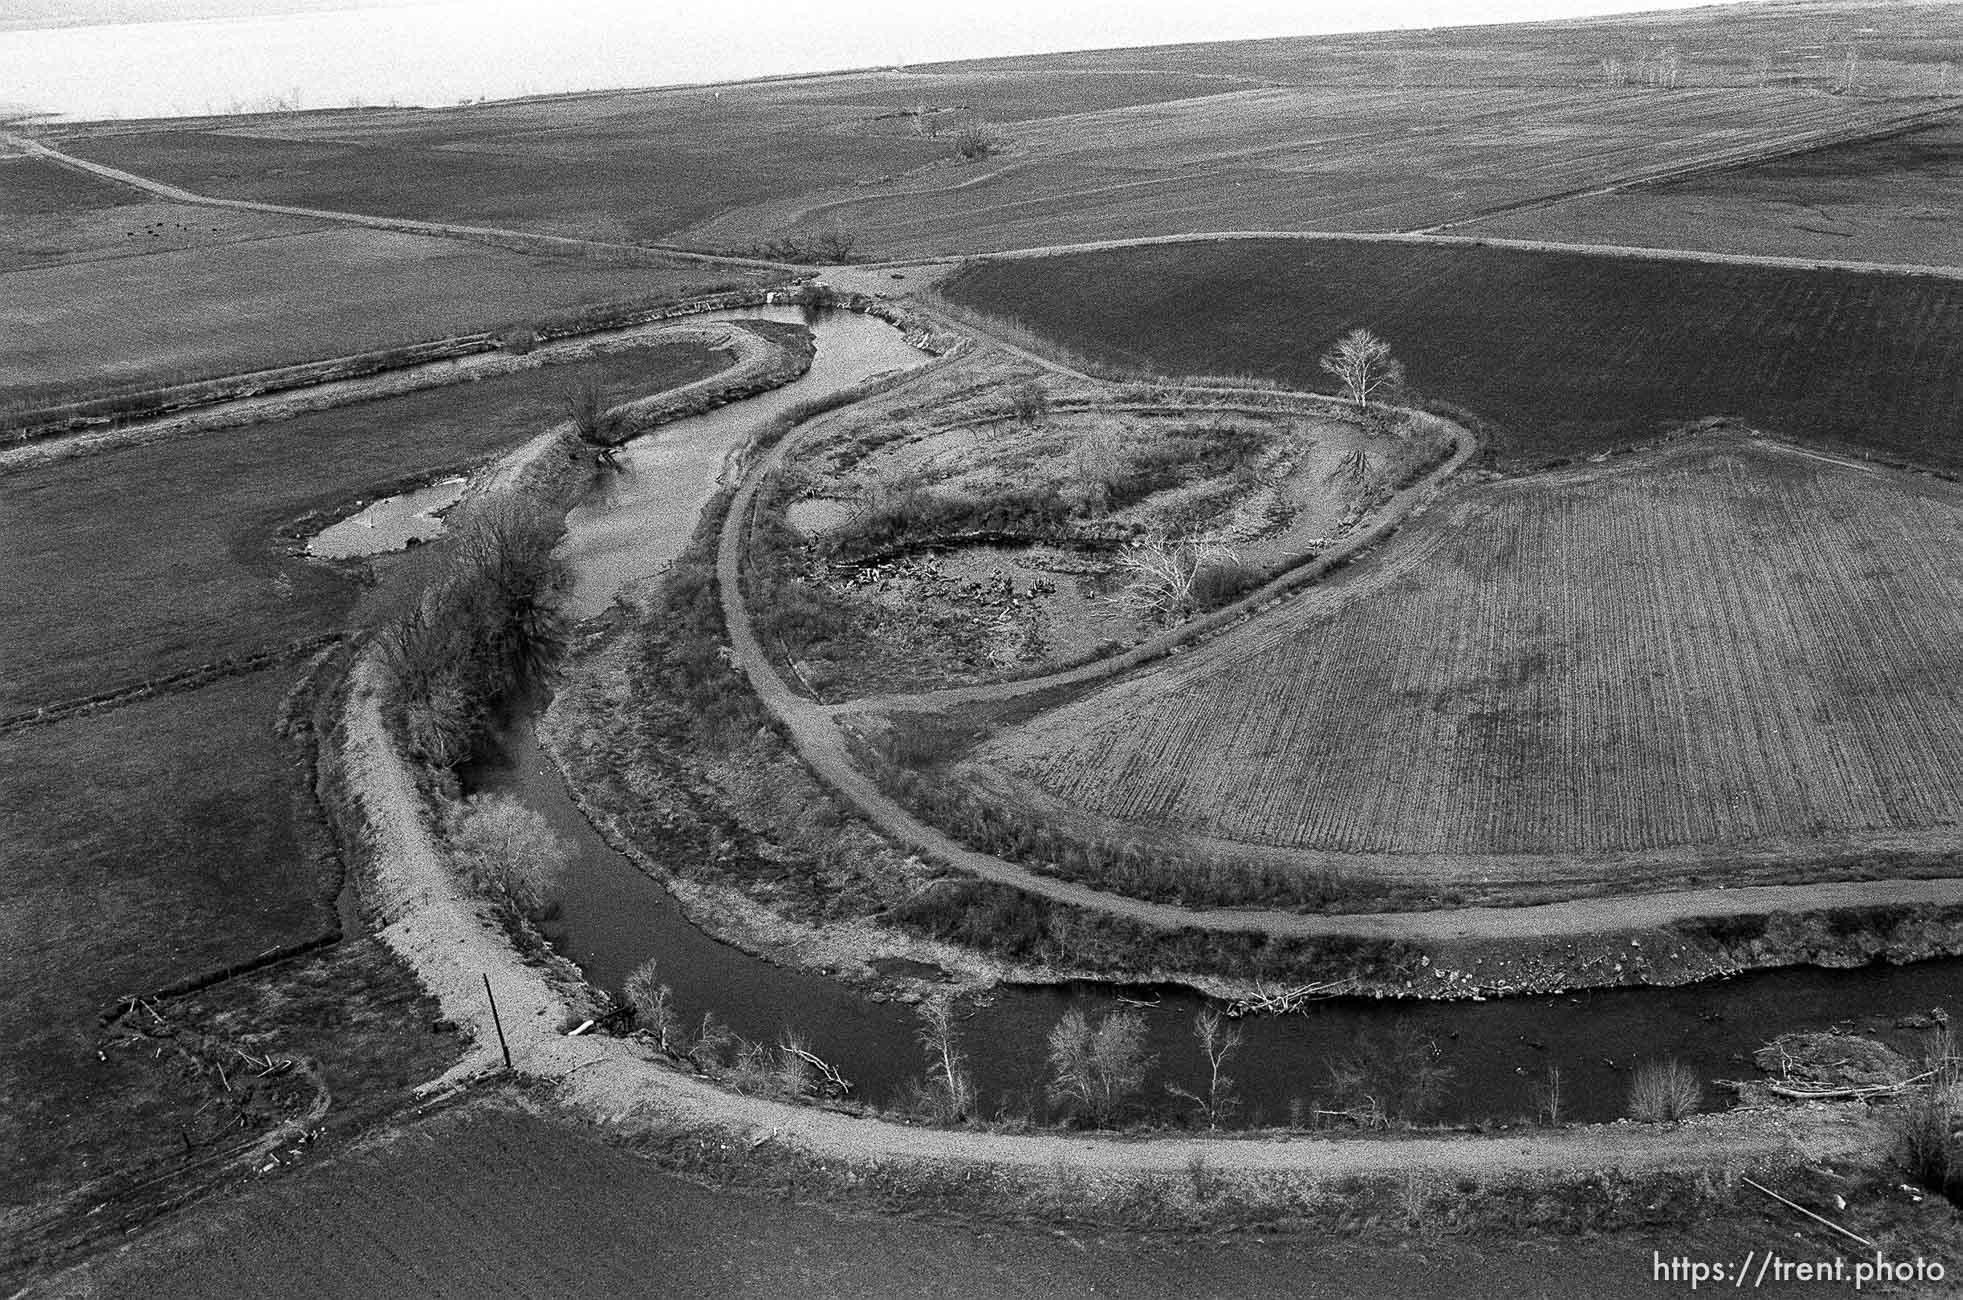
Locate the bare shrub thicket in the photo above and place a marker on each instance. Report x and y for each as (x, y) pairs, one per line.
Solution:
(1162, 577)
(975, 140)
(507, 851)
(1098, 1065)
(485, 632)
(1926, 1124)
(1390, 1077)
(1665, 1089)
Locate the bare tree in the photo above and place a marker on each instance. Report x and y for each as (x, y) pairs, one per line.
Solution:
(585, 401)
(654, 1005)
(1218, 1040)
(1098, 1066)
(948, 1080)
(1362, 363)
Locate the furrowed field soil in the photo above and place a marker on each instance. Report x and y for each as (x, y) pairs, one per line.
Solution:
(1718, 646)
(154, 558)
(488, 1200)
(221, 309)
(1567, 353)
(136, 849)
(1895, 199)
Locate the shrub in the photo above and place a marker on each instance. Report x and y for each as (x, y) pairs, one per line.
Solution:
(1030, 401)
(974, 141)
(1224, 580)
(1392, 1076)
(1664, 1090)
(654, 1005)
(1925, 1126)
(1098, 1066)
(506, 850)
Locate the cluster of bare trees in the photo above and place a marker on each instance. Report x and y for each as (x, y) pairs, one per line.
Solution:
(486, 632)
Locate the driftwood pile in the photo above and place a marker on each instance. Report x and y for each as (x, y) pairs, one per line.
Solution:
(1277, 1002)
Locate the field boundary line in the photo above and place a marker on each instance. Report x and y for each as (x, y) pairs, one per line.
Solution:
(519, 241)
(193, 678)
(1830, 139)
(1624, 252)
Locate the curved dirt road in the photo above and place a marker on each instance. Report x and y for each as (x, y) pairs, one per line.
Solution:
(820, 742)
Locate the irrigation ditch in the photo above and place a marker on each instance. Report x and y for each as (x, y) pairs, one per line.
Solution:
(619, 910)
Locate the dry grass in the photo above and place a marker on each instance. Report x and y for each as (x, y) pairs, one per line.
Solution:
(251, 305)
(1715, 644)
(1895, 199)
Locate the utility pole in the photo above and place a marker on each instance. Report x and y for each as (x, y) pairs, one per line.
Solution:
(495, 1022)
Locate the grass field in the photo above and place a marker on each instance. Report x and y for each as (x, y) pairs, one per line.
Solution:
(489, 1199)
(1895, 199)
(251, 305)
(1373, 131)
(1715, 644)
(139, 848)
(631, 165)
(162, 839)
(1305, 158)
(1566, 353)
(151, 559)
(29, 186)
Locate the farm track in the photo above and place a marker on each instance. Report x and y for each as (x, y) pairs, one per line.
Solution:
(514, 240)
(815, 732)
(455, 945)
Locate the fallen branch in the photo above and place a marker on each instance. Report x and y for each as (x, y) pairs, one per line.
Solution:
(832, 1076)
(1851, 1236)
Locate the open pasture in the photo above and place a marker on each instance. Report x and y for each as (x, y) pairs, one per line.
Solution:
(1797, 43)
(137, 848)
(155, 558)
(627, 165)
(1308, 158)
(29, 186)
(1567, 354)
(1717, 645)
(135, 229)
(1895, 199)
(164, 838)
(249, 306)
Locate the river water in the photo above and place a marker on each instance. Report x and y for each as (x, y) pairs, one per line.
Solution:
(614, 917)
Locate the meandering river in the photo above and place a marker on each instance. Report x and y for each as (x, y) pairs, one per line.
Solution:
(615, 917)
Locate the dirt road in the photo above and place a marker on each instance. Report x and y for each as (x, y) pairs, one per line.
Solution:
(487, 1200)
(504, 238)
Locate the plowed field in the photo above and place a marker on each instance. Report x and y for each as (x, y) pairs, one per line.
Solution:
(1567, 353)
(1720, 643)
